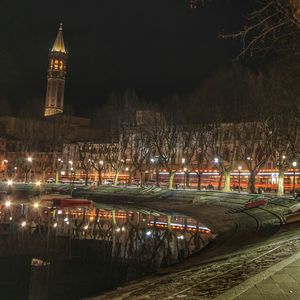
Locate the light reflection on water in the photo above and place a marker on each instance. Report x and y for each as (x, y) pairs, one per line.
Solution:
(83, 250)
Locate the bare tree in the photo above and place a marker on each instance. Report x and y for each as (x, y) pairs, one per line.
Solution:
(115, 154)
(164, 139)
(44, 162)
(98, 160)
(254, 148)
(201, 153)
(224, 147)
(188, 146)
(139, 151)
(85, 159)
(284, 145)
(274, 24)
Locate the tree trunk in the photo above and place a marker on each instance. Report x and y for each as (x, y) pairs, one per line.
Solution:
(157, 177)
(252, 182)
(86, 178)
(130, 178)
(43, 176)
(141, 179)
(187, 179)
(171, 179)
(27, 176)
(220, 182)
(227, 181)
(116, 178)
(280, 191)
(199, 180)
(99, 178)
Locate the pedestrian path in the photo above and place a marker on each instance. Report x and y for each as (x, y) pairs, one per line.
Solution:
(279, 282)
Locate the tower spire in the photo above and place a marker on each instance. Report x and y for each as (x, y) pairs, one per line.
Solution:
(59, 45)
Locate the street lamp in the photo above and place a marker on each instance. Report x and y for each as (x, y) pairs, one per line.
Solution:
(294, 164)
(5, 169)
(15, 169)
(72, 176)
(156, 162)
(127, 175)
(59, 166)
(100, 168)
(29, 159)
(184, 170)
(184, 177)
(239, 168)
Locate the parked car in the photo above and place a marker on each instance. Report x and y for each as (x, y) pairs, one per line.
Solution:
(108, 182)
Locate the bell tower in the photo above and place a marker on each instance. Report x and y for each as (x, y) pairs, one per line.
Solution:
(56, 76)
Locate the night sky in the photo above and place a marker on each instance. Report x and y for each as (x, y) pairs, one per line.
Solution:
(157, 47)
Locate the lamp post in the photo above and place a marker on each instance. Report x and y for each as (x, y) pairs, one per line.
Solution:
(71, 169)
(239, 168)
(72, 176)
(58, 168)
(216, 162)
(156, 162)
(29, 159)
(5, 168)
(127, 175)
(294, 164)
(184, 170)
(184, 177)
(100, 167)
(15, 169)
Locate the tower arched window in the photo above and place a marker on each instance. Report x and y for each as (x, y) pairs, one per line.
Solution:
(56, 63)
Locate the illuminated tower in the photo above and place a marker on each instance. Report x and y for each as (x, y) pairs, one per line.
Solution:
(56, 76)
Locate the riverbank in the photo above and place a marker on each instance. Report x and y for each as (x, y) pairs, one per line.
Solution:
(239, 233)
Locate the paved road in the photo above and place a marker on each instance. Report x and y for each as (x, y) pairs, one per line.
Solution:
(279, 282)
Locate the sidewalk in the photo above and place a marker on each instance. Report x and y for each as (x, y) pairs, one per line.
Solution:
(279, 282)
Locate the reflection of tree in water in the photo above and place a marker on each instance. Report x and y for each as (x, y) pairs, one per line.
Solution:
(133, 237)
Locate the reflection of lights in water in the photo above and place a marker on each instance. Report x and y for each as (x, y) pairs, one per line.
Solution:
(118, 229)
(10, 218)
(59, 212)
(55, 225)
(148, 233)
(7, 203)
(23, 224)
(179, 226)
(66, 219)
(123, 228)
(36, 205)
(86, 227)
(68, 223)
(180, 237)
